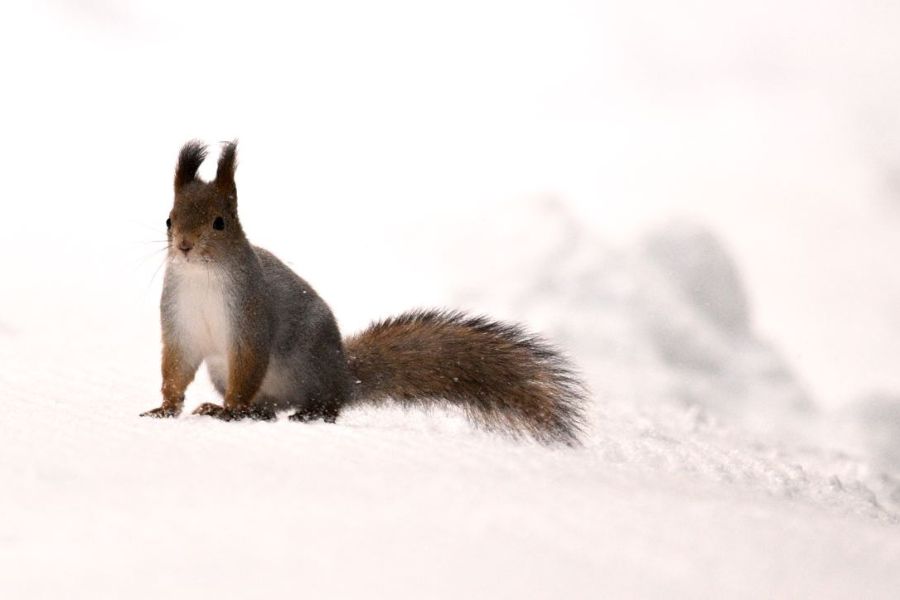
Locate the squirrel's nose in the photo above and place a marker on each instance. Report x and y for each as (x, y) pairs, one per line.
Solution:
(185, 246)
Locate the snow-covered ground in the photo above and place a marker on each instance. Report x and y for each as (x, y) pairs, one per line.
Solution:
(698, 203)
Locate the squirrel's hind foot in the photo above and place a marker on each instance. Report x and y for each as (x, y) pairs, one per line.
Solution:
(329, 414)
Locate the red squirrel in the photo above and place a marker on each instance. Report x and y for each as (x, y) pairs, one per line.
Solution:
(271, 343)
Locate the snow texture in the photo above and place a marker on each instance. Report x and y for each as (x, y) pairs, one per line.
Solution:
(704, 474)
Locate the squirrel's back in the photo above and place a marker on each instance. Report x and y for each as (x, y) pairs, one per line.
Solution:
(503, 377)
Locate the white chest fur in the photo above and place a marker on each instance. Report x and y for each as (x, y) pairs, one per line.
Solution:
(201, 310)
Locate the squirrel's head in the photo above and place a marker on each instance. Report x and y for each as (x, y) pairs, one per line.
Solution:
(203, 222)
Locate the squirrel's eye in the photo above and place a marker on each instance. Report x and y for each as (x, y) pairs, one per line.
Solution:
(219, 223)
(168, 223)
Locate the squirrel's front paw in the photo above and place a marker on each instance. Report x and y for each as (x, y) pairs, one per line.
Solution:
(210, 410)
(162, 412)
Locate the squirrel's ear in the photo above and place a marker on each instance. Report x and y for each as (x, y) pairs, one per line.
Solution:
(189, 160)
(227, 166)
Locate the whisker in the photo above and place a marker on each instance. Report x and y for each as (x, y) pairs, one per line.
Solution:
(144, 225)
(135, 263)
(149, 285)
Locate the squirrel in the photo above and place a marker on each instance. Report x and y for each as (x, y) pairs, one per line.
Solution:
(270, 343)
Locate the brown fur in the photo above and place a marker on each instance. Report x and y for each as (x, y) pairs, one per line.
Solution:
(177, 376)
(501, 376)
(189, 160)
(248, 367)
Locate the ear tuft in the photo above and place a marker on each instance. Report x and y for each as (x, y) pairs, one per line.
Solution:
(227, 165)
(189, 160)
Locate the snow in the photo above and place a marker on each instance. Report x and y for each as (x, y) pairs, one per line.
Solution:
(697, 203)
(388, 504)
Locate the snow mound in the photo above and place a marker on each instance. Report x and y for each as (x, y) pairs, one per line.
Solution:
(673, 311)
(666, 324)
(704, 273)
(696, 313)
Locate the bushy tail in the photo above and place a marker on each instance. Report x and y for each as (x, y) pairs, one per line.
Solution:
(504, 377)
